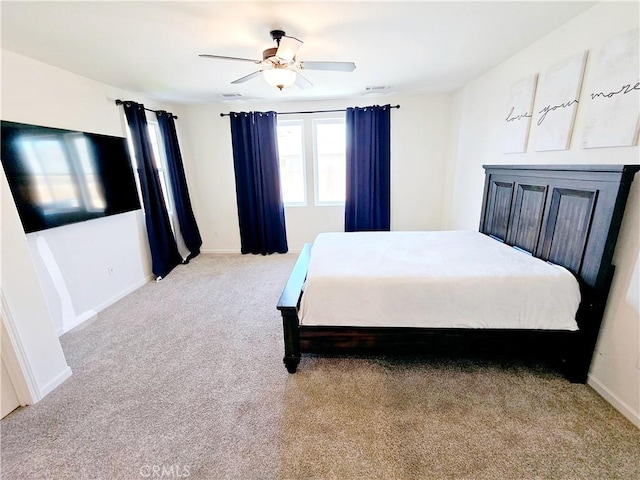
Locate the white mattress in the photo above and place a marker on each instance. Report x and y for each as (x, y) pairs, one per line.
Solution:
(454, 279)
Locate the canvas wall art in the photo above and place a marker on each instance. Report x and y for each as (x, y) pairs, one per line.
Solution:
(613, 103)
(519, 113)
(557, 103)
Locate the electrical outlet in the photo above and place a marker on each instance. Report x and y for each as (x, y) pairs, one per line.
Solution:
(110, 271)
(216, 233)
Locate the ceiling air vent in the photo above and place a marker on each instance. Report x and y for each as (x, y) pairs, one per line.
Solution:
(231, 95)
(376, 88)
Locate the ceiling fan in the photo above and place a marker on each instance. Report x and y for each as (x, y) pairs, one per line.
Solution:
(280, 67)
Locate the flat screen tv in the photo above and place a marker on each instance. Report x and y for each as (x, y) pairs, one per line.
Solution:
(58, 177)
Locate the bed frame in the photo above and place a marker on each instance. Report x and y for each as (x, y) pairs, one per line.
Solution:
(567, 214)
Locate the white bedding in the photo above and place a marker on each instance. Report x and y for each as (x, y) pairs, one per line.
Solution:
(454, 279)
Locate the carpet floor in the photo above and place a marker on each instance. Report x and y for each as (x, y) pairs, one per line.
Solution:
(184, 379)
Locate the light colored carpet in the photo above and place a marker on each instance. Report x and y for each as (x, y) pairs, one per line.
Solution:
(184, 379)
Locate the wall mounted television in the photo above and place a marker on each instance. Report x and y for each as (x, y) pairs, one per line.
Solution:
(58, 177)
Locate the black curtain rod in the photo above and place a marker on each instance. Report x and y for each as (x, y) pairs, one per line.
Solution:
(309, 111)
(120, 102)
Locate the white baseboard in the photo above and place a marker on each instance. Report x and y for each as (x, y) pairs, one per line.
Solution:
(55, 382)
(79, 320)
(85, 317)
(223, 250)
(219, 250)
(614, 400)
(124, 293)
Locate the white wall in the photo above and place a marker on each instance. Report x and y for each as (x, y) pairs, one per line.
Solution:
(36, 93)
(481, 105)
(83, 253)
(419, 150)
(27, 318)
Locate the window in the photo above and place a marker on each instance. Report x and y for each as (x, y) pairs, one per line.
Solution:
(160, 164)
(292, 162)
(330, 161)
(321, 142)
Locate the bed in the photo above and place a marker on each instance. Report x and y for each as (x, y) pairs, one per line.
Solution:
(562, 220)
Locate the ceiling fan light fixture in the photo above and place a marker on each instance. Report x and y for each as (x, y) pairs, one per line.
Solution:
(279, 77)
(279, 65)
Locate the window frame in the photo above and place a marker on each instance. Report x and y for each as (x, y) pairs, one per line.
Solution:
(303, 151)
(316, 189)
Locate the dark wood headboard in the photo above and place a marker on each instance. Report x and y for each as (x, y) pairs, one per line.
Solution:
(569, 215)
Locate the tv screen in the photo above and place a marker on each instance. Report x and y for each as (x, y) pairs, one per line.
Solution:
(58, 177)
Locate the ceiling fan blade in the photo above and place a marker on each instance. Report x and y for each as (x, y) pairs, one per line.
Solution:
(329, 66)
(302, 81)
(247, 77)
(222, 57)
(288, 48)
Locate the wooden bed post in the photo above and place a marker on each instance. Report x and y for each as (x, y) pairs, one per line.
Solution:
(290, 326)
(589, 317)
(288, 305)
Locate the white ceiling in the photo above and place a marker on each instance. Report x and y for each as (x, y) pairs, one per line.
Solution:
(152, 47)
